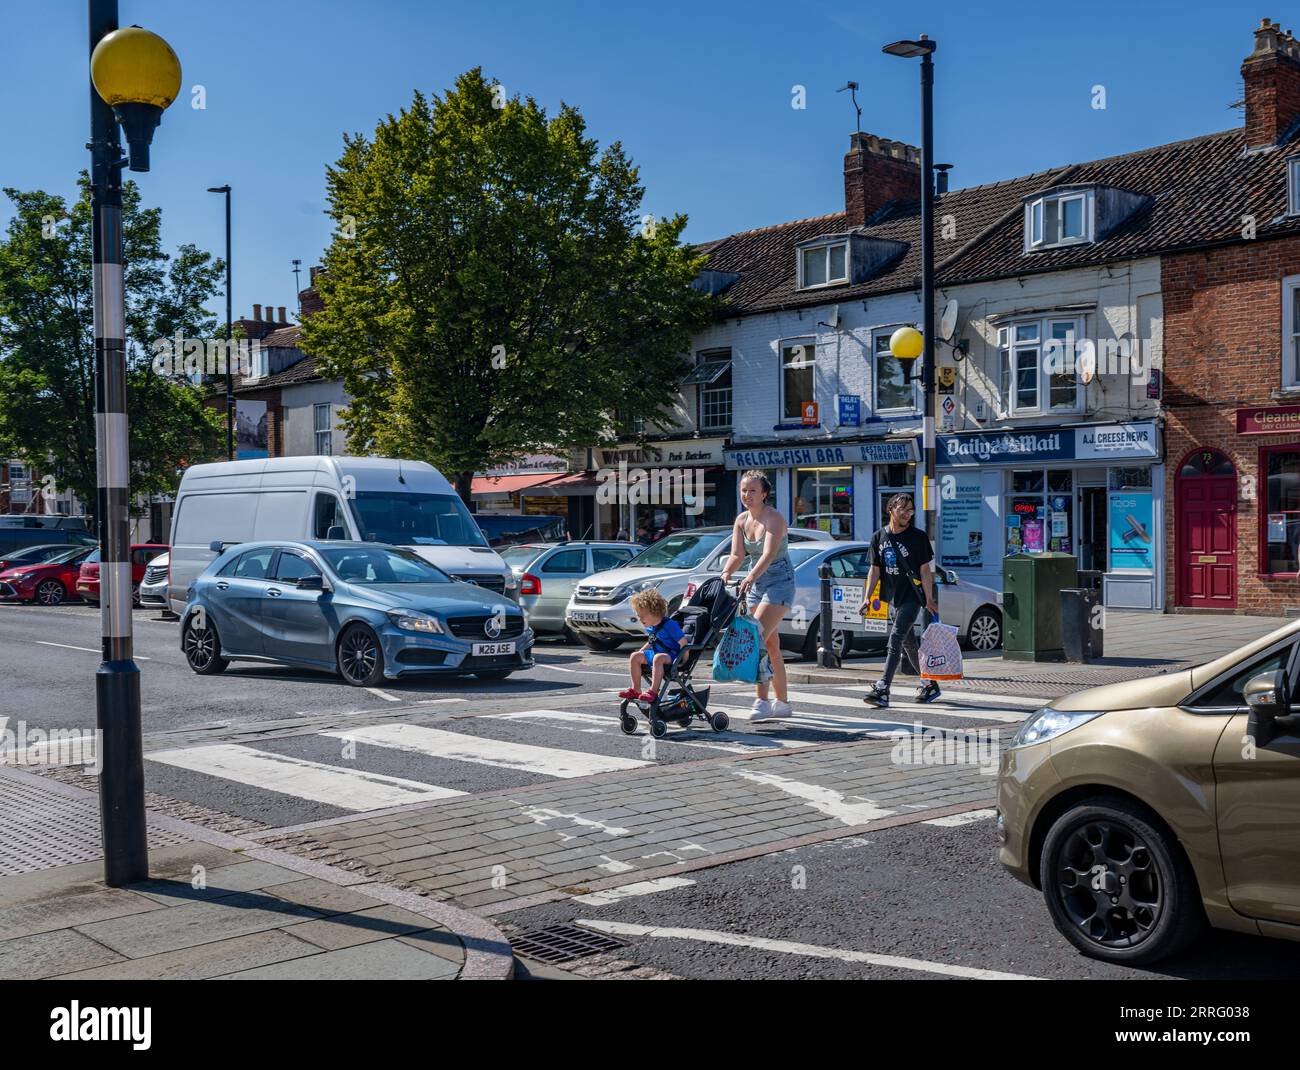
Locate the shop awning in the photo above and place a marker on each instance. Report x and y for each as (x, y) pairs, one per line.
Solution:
(507, 484)
(582, 484)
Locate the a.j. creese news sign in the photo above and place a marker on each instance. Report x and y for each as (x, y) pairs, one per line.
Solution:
(1099, 442)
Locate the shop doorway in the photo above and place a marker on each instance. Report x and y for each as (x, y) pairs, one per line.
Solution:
(1205, 497)
(1092, 529)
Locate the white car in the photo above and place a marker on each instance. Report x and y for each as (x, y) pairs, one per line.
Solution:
(599, 612)
(153, 587)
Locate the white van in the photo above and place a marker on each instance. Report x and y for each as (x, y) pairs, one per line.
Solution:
(403, 503)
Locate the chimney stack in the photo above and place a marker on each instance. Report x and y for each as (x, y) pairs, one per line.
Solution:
(1272, 76)
(876, 172)
(283, 317)
(257, 312)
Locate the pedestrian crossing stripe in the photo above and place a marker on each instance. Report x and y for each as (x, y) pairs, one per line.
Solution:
(944, 707)
(348, 789)
(503, 754)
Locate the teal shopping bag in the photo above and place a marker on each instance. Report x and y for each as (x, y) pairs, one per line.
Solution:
(741, 655)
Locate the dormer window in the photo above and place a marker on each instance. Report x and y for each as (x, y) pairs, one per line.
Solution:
(824, 265)
(1293, 186)
(1056, 219)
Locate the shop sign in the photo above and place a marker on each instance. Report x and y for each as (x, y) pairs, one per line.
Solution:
(850, 410)
(1277, 420)
(1110, 442)
(899, 451)
(532, 464)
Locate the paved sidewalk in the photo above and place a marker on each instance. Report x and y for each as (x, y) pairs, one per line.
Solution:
(215, 906)
(503, 850)
(1137, 644)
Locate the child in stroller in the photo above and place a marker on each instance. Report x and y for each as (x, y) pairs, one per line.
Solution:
(702, 623)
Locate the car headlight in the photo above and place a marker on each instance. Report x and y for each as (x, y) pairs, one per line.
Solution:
(629, 589)
(416, 622)
(1048, 723)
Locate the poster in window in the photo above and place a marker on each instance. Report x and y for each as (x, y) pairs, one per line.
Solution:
(961, 524)
(1277, 527)
(1131, 532)
(1015, 544)
(1033, 535)
(250, 430)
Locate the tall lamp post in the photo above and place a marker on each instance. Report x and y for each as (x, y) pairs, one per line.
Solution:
(907, 345)
(134, 76)
(230, 381)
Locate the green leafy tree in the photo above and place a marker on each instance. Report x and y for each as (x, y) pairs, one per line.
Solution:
(47, 343)
(491, 286)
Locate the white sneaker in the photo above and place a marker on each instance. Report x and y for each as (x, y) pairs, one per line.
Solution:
(782, 709)
(761, 710)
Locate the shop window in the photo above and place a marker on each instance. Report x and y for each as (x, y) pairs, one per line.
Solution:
(798, 378)
(1281, 517)
(824, 500)
(1039, 511)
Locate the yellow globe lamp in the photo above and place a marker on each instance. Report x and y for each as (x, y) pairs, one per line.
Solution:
(906, 343)
(138, 75)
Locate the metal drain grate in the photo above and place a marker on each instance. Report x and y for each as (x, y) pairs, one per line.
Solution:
(562, 943)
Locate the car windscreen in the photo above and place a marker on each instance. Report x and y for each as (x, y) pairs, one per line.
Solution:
(415, 519)
(92, 558)
(66, 556)
(365, 564)
(682, 550)
(519, 556)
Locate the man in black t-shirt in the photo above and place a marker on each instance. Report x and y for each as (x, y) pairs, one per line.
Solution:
(900, 558)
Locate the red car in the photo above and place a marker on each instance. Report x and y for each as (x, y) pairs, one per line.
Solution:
(141, 554)
(49, 582)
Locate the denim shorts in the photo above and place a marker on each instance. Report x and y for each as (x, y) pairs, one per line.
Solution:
(775, 587)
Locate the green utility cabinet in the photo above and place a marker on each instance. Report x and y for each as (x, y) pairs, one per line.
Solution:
(1031, 604)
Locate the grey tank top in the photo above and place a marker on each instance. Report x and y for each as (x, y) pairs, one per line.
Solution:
(754, 549)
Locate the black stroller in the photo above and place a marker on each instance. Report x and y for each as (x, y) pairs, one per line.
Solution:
(704, 620)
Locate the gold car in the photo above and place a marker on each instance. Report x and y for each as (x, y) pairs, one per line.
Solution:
(1147, 809)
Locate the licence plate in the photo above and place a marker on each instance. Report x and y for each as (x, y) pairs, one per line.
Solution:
(579, 617)
(484, 649)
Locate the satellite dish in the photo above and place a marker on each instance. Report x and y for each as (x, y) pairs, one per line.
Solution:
(948, 321)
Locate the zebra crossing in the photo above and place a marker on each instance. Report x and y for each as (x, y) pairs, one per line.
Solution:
(356, 769)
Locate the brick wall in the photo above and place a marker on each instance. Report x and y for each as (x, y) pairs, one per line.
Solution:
(1223, 351)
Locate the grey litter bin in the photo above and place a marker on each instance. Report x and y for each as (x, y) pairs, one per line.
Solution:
(1081, 634)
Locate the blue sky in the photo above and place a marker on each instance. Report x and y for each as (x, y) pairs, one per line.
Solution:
(699, 94)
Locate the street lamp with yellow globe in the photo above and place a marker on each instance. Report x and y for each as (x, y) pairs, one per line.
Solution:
(907, 343)
(134, 76)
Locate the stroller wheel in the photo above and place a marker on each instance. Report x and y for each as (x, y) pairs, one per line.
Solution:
(719, 721)
(658, 728)
(628, 723)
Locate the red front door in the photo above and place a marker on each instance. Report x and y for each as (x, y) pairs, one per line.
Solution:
(1207, 541)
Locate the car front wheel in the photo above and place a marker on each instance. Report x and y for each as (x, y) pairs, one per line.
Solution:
(1117, 884)
(202, 647)
(360, 657)
(985, 631)
(50, 593)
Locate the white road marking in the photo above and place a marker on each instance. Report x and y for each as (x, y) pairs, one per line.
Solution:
(87, 649)
(831, 803)
(348, 789)
(978, 698)
(542, 816)
(383, 694)
(944, 706)
(613, 865)
(790, 947)
(819, 720)
(459, 746)
(731, 742)
(955, 820)
(629, 891)
(581, 672)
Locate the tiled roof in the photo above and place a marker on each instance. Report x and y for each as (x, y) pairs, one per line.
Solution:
(302, 371)
(1200, 189)
(283, 337)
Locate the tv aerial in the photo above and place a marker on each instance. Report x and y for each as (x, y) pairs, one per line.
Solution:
(852, 87)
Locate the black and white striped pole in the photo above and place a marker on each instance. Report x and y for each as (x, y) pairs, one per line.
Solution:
(134, 76)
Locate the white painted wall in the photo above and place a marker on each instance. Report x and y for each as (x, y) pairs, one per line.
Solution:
(299, 437)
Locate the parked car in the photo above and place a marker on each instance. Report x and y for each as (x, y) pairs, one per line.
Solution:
(548, 573)
(969, 607)
(33, 555)
(153, 585)
(49, 583)
(511, 529)
(599, 611)
(1143, 810)
(370, 499)
(368, 611)
(141, 555)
